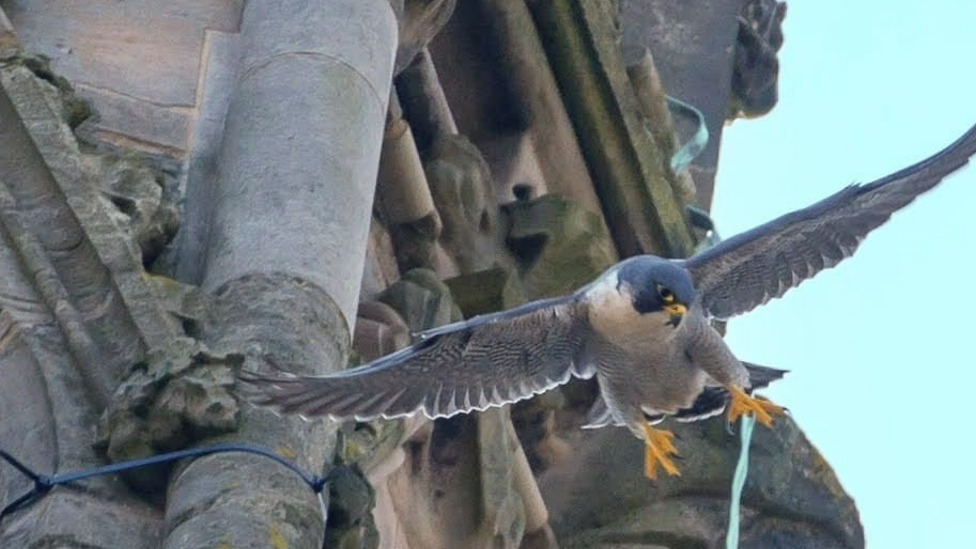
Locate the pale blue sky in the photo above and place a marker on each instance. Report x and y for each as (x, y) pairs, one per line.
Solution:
(882, 374)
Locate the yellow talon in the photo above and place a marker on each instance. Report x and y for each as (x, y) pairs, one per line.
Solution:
(743, 404)
(658, 449)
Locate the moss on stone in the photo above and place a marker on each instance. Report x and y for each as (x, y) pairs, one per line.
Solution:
(351, 502)
(637, 196)
(181, 394)
(486, 291)
(74, 110)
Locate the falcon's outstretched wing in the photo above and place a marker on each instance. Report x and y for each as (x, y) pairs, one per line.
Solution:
(489, 360)
(747, 270)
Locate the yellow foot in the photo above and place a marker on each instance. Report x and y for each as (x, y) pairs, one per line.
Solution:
(743, 404)
(658, 449)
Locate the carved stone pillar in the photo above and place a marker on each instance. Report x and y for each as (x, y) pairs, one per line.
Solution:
(301, 144)
(290, 219)
(76, 311)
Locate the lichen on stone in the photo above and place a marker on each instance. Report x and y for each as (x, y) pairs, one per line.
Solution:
(143, 196)
(351, 502)
(181, 393)
(74, 110)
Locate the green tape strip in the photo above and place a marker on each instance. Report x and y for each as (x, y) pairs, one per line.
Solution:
(694, 146)
(739, 480)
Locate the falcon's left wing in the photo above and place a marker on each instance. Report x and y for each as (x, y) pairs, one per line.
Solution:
(489, 360)
(747, 270)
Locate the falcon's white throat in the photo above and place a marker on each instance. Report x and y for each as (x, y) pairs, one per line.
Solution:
(612, 314)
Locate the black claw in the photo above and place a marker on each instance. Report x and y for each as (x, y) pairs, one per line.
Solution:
(653, 419)
(728, 428)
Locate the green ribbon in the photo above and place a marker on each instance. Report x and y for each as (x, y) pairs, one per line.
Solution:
(739, 480)
(696, 144)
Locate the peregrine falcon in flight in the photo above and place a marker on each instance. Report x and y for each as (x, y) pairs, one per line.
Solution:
(642, 328)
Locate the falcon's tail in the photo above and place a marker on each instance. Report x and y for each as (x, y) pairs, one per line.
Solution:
(712, 401)
(599, 415)
(762, 376)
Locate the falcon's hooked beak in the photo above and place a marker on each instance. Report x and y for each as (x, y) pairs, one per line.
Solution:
(676, 310)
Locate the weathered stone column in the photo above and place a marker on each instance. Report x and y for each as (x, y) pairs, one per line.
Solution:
(291, 213)
(302, 142)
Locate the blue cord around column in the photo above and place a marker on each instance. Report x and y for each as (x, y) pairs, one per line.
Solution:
(44, 483)
(739, 480)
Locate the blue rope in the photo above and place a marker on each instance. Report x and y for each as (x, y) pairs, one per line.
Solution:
(739, 480)
(696, 144)
(44, 483)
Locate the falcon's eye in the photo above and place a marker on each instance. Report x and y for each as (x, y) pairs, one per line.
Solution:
(667, 296)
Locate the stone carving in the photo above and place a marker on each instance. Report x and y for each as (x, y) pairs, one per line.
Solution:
(145, 197)
(87, 314)
(93, 283)
(181, 394)
(421, 20)
(351, 502)
(448, 217)
(559, 245)
(404, 200)
(74, 110)
(379, 331)
(486, 291)
(756, 71)
(422, 300)
(461, 186)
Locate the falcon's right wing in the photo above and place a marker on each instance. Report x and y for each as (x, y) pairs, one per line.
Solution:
(489, 360)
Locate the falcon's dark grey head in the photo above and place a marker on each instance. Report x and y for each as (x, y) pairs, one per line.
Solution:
(656, 284)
